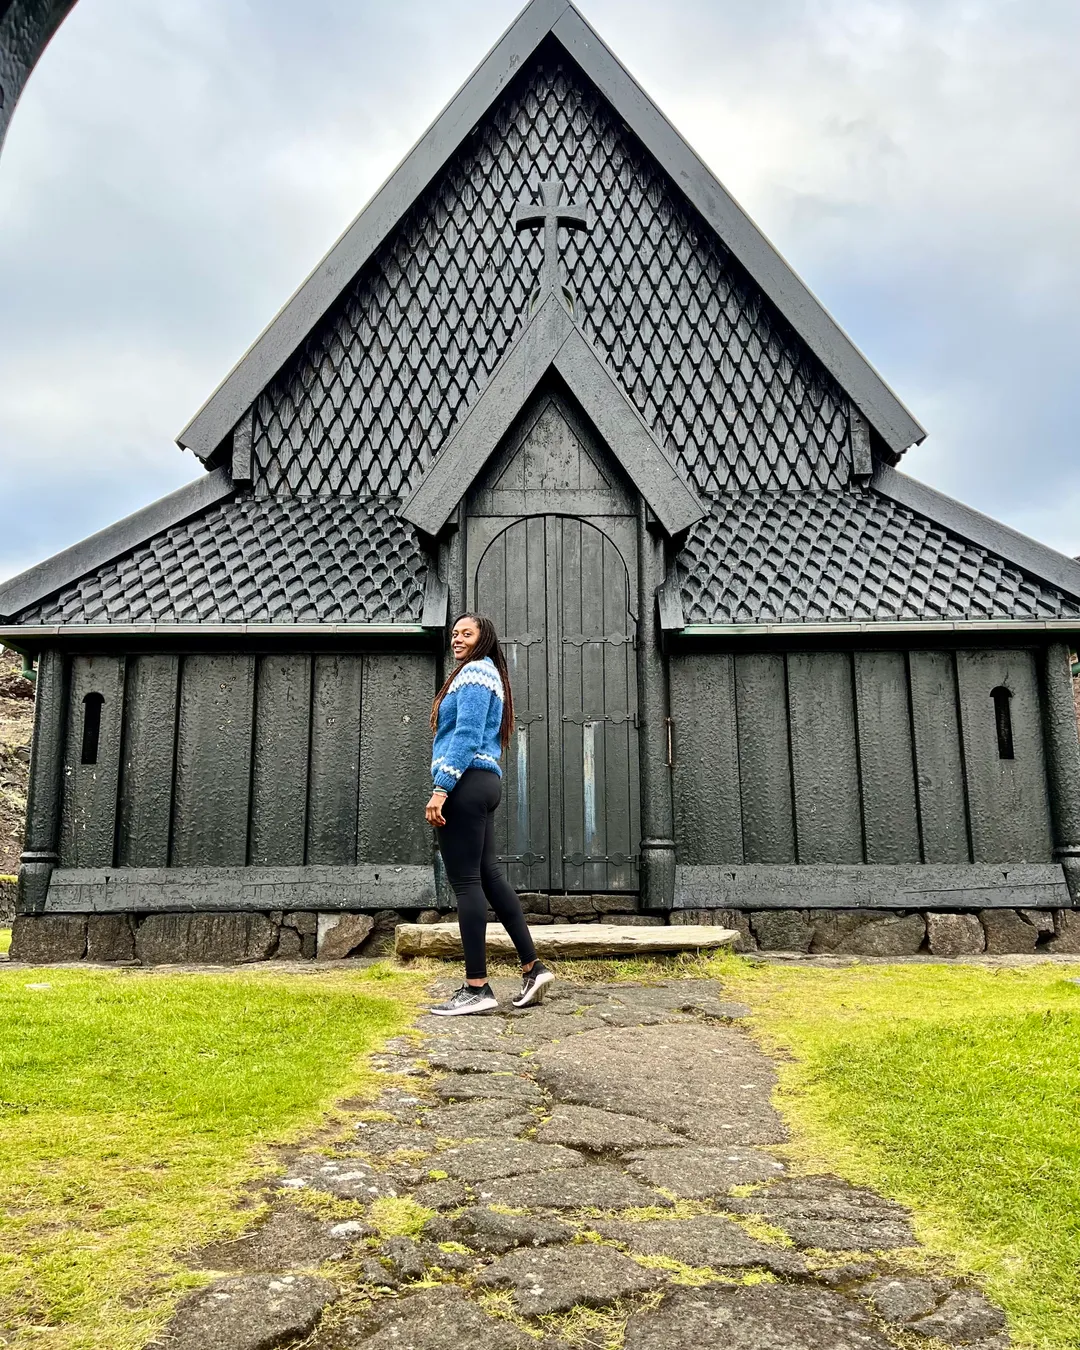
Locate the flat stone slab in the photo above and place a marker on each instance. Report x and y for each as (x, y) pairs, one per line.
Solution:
(754, 1317)
(429, 1319)
(566, 939)
(709, 1082)
(964, 1317)
(445, 1194)
(602, 1131)
(290, 1239)
(493, 1158)
(555, 1279)
(483, 1032)
(484, 1118)
(409, 1259)
(467, 1060)
(465, 1087)
(381, 1137)
(707, 1240)
(826, 1212)
(343, 1178)
(486, 1230)
(901, 1299)
(250, 1312)
(571, 1188)
(700, 1172)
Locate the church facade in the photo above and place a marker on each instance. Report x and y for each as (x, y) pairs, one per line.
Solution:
(554, 373)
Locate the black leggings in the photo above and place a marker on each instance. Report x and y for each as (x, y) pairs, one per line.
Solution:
(467, 844)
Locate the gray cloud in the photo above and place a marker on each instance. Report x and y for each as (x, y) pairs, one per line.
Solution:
(176, 168)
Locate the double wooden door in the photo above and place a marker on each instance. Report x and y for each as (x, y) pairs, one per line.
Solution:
(559, 593)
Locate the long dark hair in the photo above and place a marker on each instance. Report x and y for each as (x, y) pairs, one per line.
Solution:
(487, 644)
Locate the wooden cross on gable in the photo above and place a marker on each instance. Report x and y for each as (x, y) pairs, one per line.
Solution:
(549, 214)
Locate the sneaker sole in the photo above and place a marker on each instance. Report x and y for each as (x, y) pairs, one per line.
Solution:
(536, 993)
(484, 1006)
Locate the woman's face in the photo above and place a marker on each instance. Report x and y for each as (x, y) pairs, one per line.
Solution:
(464, 638)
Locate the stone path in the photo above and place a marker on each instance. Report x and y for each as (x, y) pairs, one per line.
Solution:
(598, 1172)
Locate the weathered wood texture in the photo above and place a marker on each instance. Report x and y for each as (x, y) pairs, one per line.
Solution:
(88, 828)
(213, 761)
(706, 752)
(848, 757)
(146, 773)
(395, 759)
(570, 939)
(1009, 808)
(232, 760)
(101, 890)
(912, 886)
(939, 759)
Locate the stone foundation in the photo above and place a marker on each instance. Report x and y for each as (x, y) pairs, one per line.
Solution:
(231, 938)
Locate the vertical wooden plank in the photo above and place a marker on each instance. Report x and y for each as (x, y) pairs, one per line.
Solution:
(334, 767)
(619, 764)
(572, 737)
(1008, 800)
(939, 765)
(886, 758)
(768, 822)
(213, 761)
(146, 781)
(279, 786)
(553, 585)
(824, 758)
(395, 758)
(706, 776)
(88, 822)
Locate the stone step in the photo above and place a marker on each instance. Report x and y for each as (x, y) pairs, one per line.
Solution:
(566, 939)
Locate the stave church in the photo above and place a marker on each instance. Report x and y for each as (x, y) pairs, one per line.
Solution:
(554, 373)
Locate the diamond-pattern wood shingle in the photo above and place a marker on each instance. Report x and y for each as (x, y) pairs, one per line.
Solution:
(279, 560)
(714, 371)
(814, 557)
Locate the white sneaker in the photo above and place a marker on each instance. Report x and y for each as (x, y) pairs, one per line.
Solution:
(470, 998)
(533, 983)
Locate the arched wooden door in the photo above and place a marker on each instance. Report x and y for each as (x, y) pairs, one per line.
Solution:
(558, 591)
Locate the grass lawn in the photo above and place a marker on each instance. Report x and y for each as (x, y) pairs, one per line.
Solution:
(133, 1108)
(5, 939)
(955, 1090)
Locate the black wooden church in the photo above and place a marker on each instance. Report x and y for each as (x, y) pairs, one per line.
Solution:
(553, 372)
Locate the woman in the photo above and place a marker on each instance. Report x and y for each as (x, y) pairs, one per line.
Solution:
(472, 718)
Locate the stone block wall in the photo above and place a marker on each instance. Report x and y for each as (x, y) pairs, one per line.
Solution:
(230, 938)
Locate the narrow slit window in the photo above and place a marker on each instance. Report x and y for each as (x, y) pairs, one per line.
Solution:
(91, 727)
(1003, 721)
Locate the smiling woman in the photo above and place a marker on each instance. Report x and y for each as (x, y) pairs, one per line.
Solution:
(133, 1110)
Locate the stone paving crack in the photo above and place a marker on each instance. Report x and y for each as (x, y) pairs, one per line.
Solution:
(602, 1170)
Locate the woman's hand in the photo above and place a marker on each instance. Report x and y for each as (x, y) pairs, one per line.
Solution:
(433, 810)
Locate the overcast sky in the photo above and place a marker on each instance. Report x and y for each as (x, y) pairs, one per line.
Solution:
(176, 167)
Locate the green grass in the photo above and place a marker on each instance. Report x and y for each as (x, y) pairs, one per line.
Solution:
(956, 1090)
(5, 940)
(135, 1106)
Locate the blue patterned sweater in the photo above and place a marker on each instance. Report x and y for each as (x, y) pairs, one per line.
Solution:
(470, 715)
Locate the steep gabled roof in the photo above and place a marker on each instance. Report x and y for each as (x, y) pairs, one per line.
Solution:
(551, 342)
(558, 21)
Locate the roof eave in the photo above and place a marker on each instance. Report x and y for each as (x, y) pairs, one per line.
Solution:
(35, 584)
(800, 308)
(1037, 560)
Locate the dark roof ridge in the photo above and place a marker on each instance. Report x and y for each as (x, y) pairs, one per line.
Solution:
(559, 19)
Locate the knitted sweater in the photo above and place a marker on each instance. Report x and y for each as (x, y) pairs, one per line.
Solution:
(470, 717)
